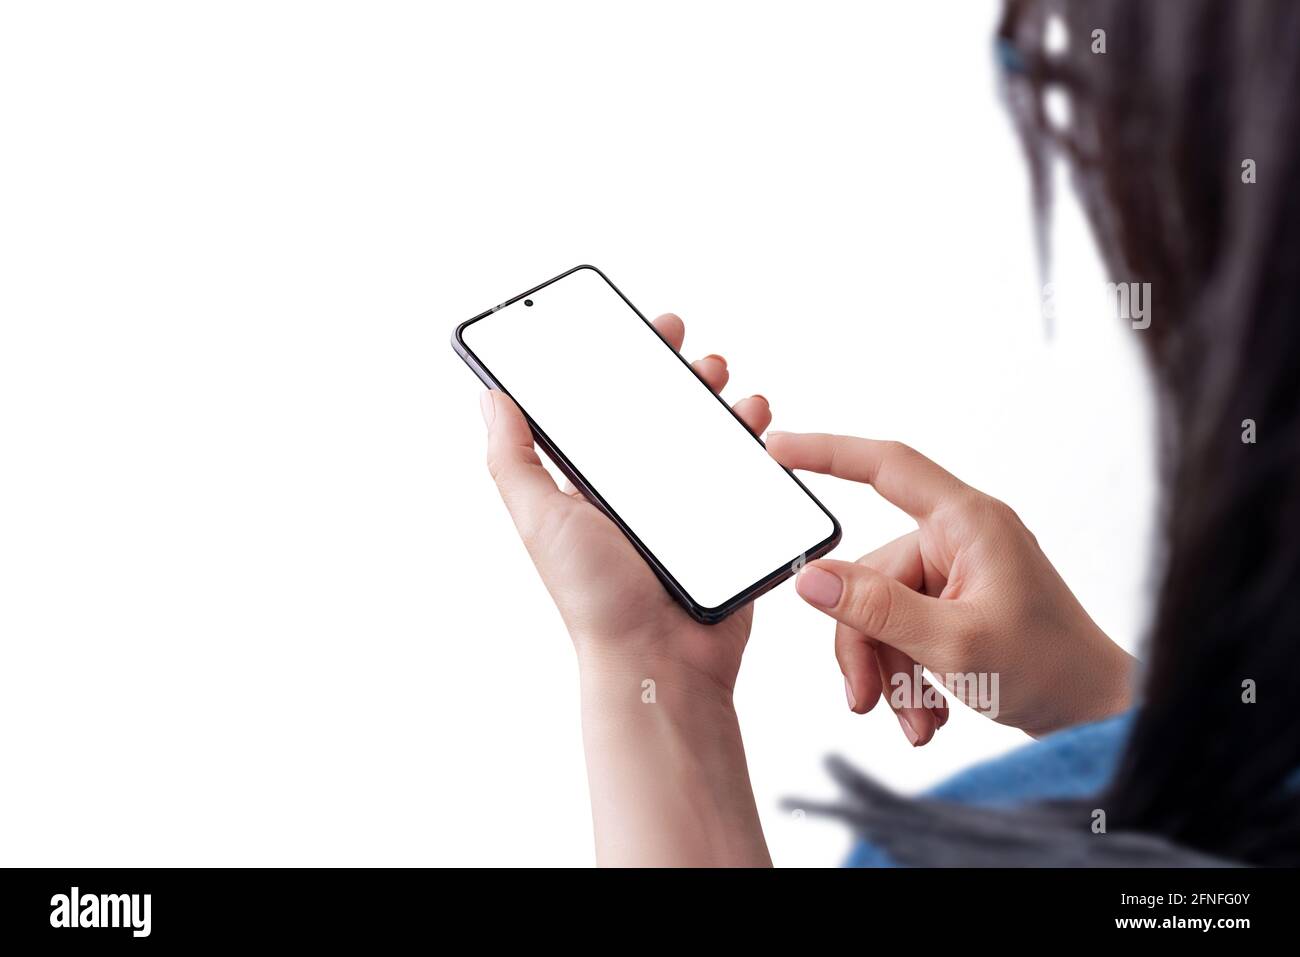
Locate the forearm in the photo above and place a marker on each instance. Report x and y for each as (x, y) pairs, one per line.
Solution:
(666, 768)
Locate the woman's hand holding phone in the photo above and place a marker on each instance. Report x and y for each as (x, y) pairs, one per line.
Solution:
(666, 765)
(613, 605)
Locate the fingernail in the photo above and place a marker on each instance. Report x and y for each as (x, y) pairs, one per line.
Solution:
(714, 355)
(775, 432)
(848, 693)
(908, 730)
(763, 397)
(818, 586)
(489, 407)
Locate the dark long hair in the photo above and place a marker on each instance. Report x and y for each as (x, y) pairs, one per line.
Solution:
(1160, 128)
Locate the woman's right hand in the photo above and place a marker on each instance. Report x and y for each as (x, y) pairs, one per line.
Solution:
(968, 593)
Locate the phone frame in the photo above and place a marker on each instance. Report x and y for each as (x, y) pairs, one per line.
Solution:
(705, 615)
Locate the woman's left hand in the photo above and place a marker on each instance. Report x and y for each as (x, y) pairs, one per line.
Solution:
(612, 603)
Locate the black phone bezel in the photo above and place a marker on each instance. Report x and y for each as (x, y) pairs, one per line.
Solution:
(705, 615)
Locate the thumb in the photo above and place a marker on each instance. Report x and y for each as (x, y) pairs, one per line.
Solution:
(875, 604)
(526, 487)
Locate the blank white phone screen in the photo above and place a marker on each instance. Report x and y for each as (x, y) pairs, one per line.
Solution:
(668, 458)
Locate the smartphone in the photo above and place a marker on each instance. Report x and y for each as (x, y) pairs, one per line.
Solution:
(629, 422)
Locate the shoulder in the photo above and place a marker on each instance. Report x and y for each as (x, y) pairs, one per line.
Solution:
(1069, 763)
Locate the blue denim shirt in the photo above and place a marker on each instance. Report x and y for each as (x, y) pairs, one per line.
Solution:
(1071, 763)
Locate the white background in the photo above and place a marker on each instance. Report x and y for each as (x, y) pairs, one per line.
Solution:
(259, 602)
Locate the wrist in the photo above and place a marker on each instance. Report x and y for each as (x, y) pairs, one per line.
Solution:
(1101, 689)
(619, 677)
(666, 764)
(672, 660)
(1114, 692)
